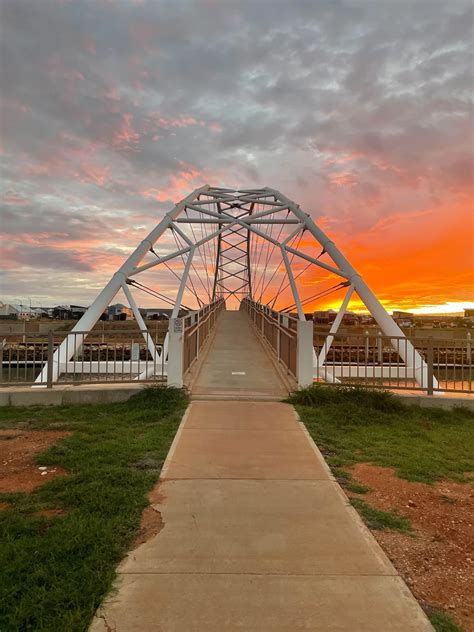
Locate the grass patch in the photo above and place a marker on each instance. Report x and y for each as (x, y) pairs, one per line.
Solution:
(441, 621)
(55, 571)
(344, 478)
(381, 520)
(353, 425)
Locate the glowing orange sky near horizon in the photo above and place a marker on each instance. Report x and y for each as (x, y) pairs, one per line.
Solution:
(422, 262)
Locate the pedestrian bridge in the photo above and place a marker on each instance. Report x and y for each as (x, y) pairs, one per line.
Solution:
(239, 269)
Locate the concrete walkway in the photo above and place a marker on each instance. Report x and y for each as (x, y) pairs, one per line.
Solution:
(257, 537)
(236, 364)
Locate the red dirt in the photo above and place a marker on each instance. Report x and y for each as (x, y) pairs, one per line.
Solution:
(437, 564)
(19, 473)
(151, 522)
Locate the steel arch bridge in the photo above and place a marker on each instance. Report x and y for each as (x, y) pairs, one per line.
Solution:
(249, 248)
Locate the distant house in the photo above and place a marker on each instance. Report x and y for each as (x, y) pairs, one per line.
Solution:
(119, 312)
(367, 319)
(17, 311)
(324, 317)
(9, 311)
(403, 319)
(68, 312)
(40, 312)
(160, 313)
(350, 319)
(469, 313)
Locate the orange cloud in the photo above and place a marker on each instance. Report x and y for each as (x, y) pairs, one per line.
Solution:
(411, 260)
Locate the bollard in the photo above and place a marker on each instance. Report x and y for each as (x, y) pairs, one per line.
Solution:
(175, 352)
(304, 353)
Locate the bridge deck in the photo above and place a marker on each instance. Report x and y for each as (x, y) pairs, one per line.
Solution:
(236, 363)
(257, 537)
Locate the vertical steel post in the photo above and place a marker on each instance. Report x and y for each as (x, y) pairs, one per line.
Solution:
(469, 361)
(49, 371)
(429, 361)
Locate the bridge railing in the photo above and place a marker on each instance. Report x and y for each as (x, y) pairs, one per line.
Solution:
(197, 327)
(279, 330)
(186, 338)
(372, 359)
(102, 357)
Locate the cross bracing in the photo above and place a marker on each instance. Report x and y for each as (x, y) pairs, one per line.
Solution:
(235, 244)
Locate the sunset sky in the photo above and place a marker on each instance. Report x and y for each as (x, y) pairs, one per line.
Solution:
(361, 112)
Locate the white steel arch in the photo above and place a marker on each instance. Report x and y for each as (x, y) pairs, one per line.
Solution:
(236, 244)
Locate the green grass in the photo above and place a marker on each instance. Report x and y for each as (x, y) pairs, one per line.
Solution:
(54, 572)
(359, 425)
(381, 520)
(441, 621)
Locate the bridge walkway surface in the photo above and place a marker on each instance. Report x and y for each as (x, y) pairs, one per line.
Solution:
(236, 364)
(257, 537)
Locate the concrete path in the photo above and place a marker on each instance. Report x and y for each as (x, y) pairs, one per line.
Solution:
(257, 537)
(236, 364)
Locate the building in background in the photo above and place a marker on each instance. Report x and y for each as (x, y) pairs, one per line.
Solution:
(403, 319)
(9, 311)
(68, 312)
(160, 313)
(325, 317)
(119, 312)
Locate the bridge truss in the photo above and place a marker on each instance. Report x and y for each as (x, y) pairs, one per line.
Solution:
(225, 244)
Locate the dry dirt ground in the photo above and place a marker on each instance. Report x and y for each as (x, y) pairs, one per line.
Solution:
(19, 472)
(151, 522)
(438, 562)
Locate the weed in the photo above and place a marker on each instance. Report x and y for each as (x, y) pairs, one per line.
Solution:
(441, 621)
(381, 520)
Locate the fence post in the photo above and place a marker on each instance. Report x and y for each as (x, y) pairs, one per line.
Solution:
(175, 352)
(429, 362)
(304, 353)
(49, 371)
(469, 361)
(278, 336)
(198, 331)
(380, 349)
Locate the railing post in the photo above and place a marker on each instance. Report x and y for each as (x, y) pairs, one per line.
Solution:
(49, 371)
(175, 352)
(469, 361)
(429, 362)
(304, 353)
(379, 348)
(278, 336)
(198, 331)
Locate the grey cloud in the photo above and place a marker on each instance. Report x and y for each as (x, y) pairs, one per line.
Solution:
(296, 92)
